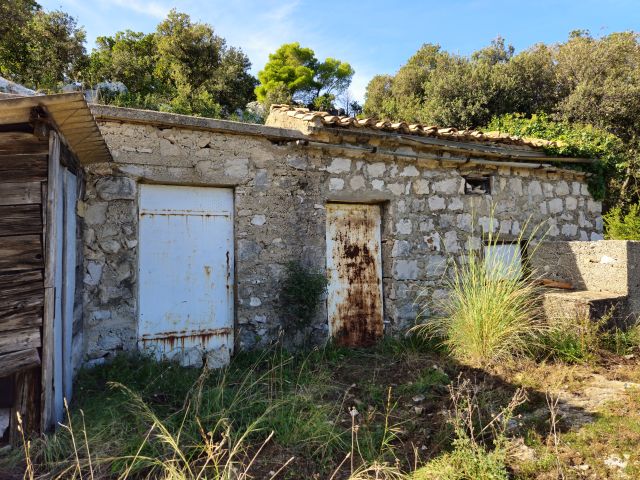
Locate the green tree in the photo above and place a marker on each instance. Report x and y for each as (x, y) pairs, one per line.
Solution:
(39, 49)
(183, 67)
(128, 57)
(16, 16)
(294, 74)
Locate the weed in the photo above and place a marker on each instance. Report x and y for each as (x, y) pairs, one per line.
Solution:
(621, 341)
(428, 380)
(472, 457)
(579, 340)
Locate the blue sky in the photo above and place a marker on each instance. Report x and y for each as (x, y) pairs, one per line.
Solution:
(374, 36)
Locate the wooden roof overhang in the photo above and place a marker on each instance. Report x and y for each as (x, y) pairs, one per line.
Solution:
(67, 113)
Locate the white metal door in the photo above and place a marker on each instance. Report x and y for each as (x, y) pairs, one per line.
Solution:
(186, 260)
(354, 268)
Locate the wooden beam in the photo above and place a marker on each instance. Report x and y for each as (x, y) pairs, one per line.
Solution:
(13, 362)
(19, 193)
(20, 252)
(20, 219)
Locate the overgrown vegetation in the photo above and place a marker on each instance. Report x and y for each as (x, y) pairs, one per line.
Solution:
(398, 411)
(302, 290)
(621, 225)
(577, 140)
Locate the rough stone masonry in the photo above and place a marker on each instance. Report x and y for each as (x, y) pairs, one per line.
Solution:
(282, 183)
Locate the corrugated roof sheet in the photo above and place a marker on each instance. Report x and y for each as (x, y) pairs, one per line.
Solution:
(448, 133)
(69, 114)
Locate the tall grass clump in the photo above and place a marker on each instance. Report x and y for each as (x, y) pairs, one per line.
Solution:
(491, 310)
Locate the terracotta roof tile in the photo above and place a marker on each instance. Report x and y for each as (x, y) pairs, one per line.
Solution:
(448, 133)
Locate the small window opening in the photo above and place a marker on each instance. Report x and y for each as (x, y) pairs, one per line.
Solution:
(503, 261)
(477, 185)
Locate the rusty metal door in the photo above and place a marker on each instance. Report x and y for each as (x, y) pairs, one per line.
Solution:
(354, 267)
(186, 273)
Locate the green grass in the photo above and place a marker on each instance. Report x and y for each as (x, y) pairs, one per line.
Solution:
(145, 419)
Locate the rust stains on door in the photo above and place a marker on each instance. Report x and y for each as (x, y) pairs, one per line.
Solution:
(354, 266)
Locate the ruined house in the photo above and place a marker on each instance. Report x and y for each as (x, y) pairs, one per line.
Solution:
(185, 225)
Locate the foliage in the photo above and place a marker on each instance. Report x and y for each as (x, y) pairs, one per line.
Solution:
(39, 49)
(302, 290)
(490, 312)
(183, 67)
(623, 226)
(294, 74)
(574, 140)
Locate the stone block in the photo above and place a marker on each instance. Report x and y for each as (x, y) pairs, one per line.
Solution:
(339, 165)
(405, 269)
(116, 188)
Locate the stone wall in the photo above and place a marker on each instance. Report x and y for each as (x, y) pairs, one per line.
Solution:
(280, 197)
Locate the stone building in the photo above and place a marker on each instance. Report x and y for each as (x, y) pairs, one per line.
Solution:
(187, 232)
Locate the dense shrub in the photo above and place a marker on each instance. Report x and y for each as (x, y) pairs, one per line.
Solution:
(623, 226)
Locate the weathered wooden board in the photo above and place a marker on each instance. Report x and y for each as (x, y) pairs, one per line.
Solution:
(13, 362)
(20, 193)
(21, 252)
(28, 317)
(20, 219)
(17, 280)
(21, 297)
(10, 138)
(27, 402)
(19, 168)
(21, 148)
(21, 302)
(20, 340)
(49, 237)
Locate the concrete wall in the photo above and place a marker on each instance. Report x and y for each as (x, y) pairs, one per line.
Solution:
(280, 197)
(608, 266)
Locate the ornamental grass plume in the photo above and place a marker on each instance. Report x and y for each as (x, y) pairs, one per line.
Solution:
(491, 310)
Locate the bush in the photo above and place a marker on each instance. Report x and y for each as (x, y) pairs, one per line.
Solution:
(302, 290)
(491, 311)
(623, 226)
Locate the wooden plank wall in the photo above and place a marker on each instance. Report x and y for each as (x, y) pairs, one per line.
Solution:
(23, 179)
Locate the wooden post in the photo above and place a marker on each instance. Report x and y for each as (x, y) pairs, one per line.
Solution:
(50, 247)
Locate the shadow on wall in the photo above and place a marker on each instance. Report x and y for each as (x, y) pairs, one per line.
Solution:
(604, 275)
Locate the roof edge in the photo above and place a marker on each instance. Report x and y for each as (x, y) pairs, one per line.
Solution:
(165, 119)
